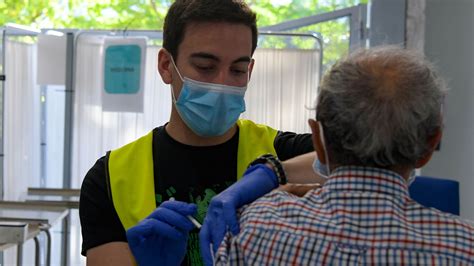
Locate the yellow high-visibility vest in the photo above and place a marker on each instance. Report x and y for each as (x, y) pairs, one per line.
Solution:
(131, 175)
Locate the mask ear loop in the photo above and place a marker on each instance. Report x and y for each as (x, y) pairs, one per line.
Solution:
(176, 68)
(179, 74)
(411, 178)
(323, 142)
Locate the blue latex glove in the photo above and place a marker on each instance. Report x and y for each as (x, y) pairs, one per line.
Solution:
(161, 238)
(221, 216)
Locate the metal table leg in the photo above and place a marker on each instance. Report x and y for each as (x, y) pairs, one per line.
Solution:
(37, 251)
(48, 246)
(19, 254)
(65, 240)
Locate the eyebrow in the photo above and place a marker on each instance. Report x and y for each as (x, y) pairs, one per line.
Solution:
(202, 55)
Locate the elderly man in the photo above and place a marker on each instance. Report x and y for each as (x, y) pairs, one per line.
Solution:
(378, 118)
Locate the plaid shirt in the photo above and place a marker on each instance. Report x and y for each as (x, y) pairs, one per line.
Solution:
(361, 216)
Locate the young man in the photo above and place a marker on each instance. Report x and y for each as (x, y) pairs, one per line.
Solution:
(204, 148)
(378, 118)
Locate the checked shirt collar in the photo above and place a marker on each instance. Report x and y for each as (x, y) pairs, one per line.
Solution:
(367, 179)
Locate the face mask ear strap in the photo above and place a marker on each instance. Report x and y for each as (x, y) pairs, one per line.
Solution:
(179, 74)
(172, 94)
(323, 142)
(176, 68)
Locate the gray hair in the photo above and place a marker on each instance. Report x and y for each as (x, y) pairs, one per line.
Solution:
(379, 107)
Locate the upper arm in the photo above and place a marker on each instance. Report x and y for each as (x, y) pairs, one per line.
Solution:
(100, 223)
(289, 144)
(114, 253)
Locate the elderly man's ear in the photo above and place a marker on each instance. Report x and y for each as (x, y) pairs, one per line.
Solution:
(433, 143)
(317, 142)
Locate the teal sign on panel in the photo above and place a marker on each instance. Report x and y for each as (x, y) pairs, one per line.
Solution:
(122, 69)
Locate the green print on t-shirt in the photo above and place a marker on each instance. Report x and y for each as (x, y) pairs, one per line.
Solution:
(193, 253)
(202, 203)
(202, 200)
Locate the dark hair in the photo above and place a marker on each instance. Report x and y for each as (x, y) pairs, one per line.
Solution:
(184, 12)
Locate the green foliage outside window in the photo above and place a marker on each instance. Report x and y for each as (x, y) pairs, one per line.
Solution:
(149, 15)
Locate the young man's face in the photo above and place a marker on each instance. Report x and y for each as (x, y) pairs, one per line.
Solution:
(215, 52)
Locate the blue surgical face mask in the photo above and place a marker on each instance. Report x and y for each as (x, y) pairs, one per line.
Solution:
(320, 169)
(209, 109)
(411, 178)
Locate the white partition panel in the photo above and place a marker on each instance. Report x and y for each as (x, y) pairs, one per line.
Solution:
(283, 88)
(22, 120)
(21, 130)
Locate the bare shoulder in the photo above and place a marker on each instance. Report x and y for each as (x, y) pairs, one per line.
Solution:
(113, 253)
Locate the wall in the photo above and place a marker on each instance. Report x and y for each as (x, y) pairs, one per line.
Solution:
(449, 43)
(387, 22)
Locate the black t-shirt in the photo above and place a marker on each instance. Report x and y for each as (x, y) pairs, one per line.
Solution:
(187, 173)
